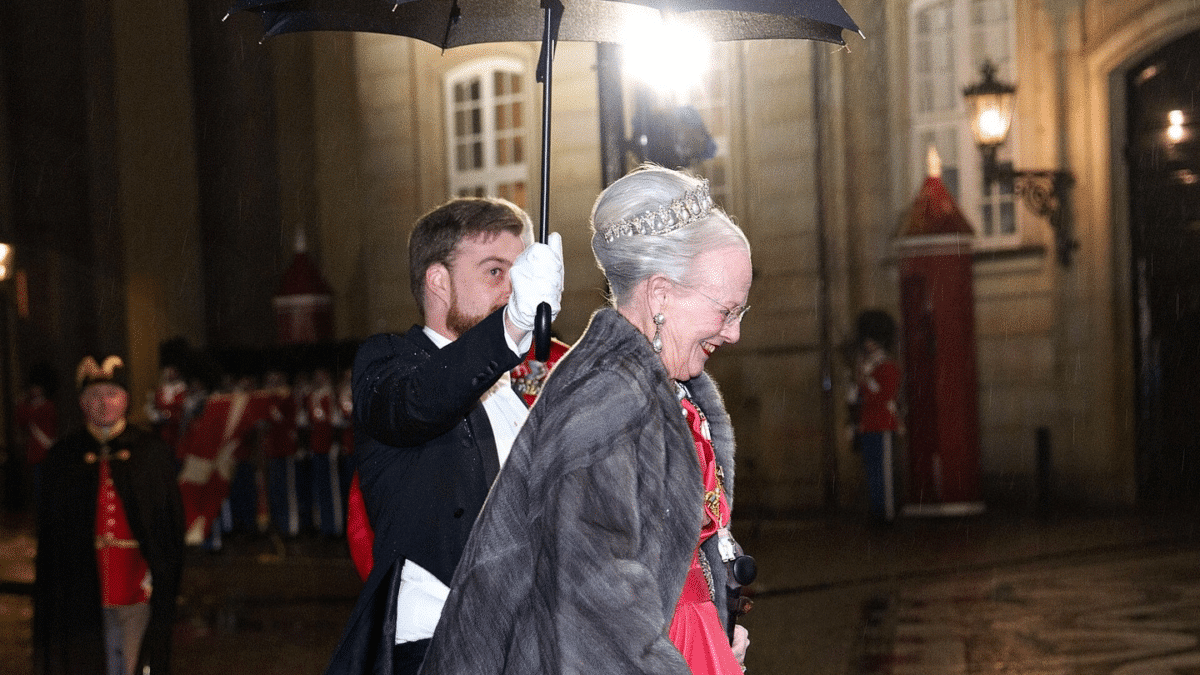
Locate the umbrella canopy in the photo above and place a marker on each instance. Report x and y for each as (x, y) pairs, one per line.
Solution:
(453, 23)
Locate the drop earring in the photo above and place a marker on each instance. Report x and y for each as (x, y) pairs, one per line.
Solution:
(656, 341)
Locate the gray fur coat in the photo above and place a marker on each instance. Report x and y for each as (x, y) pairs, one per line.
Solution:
(580, 553)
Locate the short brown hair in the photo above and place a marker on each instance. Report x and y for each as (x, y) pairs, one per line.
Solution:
(435, 237)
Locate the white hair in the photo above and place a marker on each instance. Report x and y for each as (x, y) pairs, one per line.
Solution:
(628, 260)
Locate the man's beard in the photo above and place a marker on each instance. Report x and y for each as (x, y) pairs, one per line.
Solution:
(458, 322)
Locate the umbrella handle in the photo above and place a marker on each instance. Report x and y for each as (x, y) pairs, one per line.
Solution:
(541, 333)
(553, 9)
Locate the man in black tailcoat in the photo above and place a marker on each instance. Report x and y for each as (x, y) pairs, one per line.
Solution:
(435, 416)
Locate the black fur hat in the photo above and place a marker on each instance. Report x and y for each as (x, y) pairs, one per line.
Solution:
(877, 325)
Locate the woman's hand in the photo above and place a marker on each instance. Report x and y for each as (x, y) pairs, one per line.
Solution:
(741, 642)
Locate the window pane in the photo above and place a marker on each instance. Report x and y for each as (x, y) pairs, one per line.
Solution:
(1008, 218)
(934, 85)
(518, 194)
(950, 180)
(924, 96)
(945, 94)
(948, 41)
(486, 115)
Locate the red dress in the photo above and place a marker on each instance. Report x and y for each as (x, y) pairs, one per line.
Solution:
(696, 629)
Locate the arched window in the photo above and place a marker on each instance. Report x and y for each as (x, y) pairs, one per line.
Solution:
(948, 41)
(487, 126)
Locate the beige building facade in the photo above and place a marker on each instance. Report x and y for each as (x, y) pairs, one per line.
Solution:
(820, 151)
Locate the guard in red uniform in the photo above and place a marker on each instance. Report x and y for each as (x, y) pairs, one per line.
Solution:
(37, 422)
(279, 446)
(876, 387)
(323, 436)
(166, 409)
(210, 448)
(110, 541)
(243, 515)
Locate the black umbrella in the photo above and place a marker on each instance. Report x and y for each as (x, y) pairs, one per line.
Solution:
(452, 23)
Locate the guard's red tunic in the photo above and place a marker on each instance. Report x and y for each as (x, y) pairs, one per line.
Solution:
(124, 574)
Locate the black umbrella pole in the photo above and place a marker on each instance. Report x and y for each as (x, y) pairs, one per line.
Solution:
(541, 324)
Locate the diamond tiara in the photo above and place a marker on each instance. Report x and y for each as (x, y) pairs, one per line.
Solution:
(694, 205)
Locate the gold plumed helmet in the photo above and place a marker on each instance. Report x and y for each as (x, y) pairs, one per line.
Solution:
(111, 369)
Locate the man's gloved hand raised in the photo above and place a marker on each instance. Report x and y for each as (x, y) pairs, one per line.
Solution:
(537, 277)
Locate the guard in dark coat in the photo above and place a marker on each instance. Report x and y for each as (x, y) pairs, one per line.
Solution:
(110, 541)
(435, 415)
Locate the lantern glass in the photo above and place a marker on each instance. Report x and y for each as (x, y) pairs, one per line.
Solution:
(991, 117)
(990, 104)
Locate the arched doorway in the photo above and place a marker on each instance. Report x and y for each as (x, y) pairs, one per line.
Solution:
(1163, 93)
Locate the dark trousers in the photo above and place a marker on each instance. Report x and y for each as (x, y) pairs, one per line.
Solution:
(304, 491)
(243, 497)
(327, 493)
(281, 492)
(407, 657)
(876, 448)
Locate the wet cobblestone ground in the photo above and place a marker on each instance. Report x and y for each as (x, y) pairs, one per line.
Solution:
(1087, 595)
(1124, 613)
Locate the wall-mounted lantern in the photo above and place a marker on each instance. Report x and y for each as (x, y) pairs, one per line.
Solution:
(990, 103)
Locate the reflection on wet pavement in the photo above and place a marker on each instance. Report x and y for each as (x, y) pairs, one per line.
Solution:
(1003, 595)
(1124, 614)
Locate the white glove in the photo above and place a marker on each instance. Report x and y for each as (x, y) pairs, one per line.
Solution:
(741, 642)
(537, 277)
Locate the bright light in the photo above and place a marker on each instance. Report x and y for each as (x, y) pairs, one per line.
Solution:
(1175, 132)
(993, 124)
(666, 56)
(933, 162)
(5, 261)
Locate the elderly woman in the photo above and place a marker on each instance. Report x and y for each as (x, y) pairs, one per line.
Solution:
(599, 549)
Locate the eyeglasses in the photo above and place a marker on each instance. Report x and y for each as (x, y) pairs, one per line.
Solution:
(731, 316)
